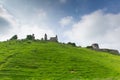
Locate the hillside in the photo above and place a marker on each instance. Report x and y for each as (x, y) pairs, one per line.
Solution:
(37, 60)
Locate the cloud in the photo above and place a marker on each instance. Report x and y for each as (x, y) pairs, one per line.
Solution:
(26, 29)
(63, 1)
(97, 27)
(34, 29)
(6, 20)
(10, 26)
(66, 21)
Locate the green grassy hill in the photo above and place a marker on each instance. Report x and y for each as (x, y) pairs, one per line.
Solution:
(36, 60)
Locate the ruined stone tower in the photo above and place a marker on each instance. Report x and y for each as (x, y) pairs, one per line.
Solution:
(45, 37)
(95, 46)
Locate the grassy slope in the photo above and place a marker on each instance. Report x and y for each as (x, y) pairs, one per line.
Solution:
(52, 61)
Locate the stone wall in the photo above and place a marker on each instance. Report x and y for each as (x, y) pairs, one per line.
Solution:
(95, 46)
(54, 39)
(112, 51)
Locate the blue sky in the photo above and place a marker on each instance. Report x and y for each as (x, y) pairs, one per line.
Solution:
(81, 21)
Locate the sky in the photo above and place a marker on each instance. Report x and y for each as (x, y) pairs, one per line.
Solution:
(81, 21)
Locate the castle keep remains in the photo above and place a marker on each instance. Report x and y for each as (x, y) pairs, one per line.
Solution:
(53, 39)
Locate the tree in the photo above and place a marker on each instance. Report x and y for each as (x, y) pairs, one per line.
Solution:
(89, 47)
(73, 44)
(14, 37)
(30, 37)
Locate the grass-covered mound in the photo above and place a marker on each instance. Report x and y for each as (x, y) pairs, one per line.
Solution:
(36, 60)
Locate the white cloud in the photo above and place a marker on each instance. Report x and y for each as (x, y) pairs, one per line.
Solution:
(6, 15)
(63, 1)
(66, 21)
(7, 21)
(22, 29)
(34, 29)
(97, 27)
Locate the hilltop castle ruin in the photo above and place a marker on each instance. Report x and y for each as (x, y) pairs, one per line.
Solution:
(53, 39)
(95, 46)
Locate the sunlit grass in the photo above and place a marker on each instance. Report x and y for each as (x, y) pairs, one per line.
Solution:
(37, 60)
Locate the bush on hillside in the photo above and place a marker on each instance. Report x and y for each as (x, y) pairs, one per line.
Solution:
(30, 37)
(70, 43)
(89, 47)
(14, 37)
